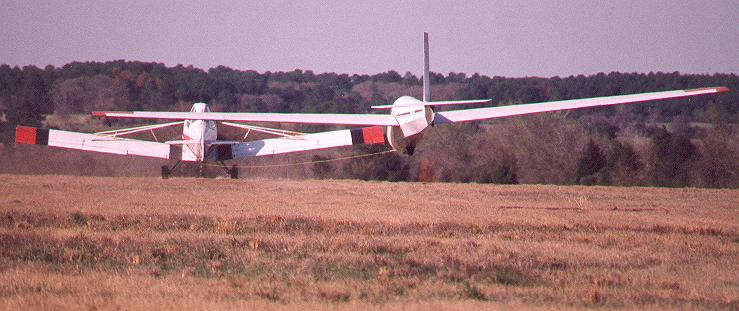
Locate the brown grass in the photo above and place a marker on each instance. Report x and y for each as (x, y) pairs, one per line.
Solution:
(71, 242)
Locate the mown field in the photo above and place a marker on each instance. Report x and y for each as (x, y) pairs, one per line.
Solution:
(137, 243)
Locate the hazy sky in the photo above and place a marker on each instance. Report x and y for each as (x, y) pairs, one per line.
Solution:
(508, 38)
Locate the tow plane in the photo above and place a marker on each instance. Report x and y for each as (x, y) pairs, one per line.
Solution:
(402, 128)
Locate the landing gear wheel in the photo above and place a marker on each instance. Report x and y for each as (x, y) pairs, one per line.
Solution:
(165, 172)
(201, 170)
(234, 172)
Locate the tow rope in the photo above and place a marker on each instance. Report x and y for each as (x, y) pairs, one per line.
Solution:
(311, 162)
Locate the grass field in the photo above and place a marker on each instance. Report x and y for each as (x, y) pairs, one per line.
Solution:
(135, 243)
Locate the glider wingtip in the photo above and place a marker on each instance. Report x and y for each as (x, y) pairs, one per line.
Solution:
(715, 89)
(108, 113)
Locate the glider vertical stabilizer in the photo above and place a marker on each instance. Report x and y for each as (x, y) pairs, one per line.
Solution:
(426, 82)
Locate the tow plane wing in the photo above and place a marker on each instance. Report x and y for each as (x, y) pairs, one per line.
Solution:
(91, 142)
(224, 150)
(322, 140)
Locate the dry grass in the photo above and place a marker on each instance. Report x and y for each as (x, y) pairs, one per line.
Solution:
(71, 242)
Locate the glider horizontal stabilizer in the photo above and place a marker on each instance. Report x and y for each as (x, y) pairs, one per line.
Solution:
(436, 103)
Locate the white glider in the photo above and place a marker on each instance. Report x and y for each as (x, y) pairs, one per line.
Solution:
(402, 128)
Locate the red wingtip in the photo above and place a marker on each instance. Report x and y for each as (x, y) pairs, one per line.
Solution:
(98, 113)
(25, 135)
(717, 89)
(373, 135)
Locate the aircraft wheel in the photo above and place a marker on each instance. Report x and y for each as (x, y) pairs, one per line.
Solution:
(410, 149)
(201, 170)
(234, 172)
(165, 172)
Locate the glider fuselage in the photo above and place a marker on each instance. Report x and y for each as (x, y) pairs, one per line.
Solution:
(413, 119)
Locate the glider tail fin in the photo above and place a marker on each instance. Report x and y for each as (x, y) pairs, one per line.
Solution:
(427, 87)
(426, 82)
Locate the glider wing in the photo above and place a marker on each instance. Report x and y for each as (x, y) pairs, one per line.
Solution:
(306, 118)
(514, 110)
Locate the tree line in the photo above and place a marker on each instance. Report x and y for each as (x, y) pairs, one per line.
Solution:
(681, 142)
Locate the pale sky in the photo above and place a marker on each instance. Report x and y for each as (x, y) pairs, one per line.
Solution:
(506, 38)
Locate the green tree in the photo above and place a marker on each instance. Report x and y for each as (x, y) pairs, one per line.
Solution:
(672, 157)
(591, 162)
(623, 165)
(717, 167)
